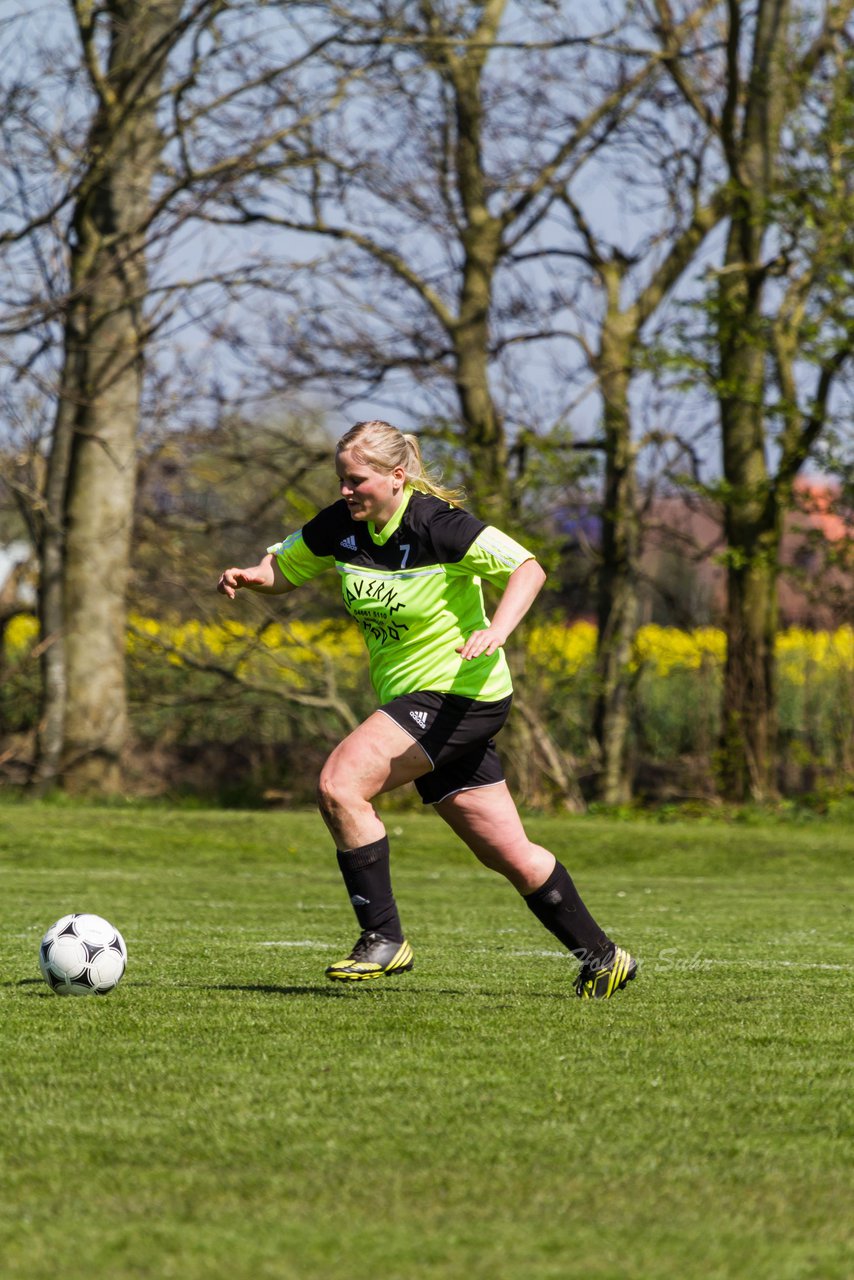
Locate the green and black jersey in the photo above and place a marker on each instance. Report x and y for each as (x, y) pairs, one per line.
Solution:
(415, 590)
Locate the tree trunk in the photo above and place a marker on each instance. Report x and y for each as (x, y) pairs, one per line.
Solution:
(93, 459)
(483, 429)
(50, 736)
(617, 579)
(749, 524)
(749, 724)
(99, 514)
(751, 517)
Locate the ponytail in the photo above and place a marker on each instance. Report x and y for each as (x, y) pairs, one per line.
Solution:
(380, 445)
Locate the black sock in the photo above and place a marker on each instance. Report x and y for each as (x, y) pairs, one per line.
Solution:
(557, 905)
(367, 875)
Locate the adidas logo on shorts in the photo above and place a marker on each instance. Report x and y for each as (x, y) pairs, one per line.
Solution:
(348, 543)
(420, 718)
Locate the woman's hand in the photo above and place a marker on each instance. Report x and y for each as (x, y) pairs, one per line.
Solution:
(522, 587)
(231, 580)
(265, 577)
(482, 642)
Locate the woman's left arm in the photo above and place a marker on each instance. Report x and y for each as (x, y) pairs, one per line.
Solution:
(523, 587)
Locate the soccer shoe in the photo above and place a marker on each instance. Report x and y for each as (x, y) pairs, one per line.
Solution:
(599, 982)
(372, 956)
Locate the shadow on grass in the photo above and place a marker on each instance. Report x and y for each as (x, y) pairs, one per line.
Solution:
(273, 989)
(351, 990)
(43, 992)
(310, 990)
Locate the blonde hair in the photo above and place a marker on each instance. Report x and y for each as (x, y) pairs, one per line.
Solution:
(381, 446)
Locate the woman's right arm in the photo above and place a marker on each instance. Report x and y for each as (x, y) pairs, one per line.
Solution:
(265, 577)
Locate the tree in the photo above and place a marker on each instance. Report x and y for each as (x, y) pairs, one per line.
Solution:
(779, 327)
(161, 92)
(676, 202)
(442, 235)
(91, 472)
(477, 120)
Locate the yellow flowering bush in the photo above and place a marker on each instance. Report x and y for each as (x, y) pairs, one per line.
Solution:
(295, 652)
(177, 670)
(799, 652)
(561, 650)
(667, 648)
(299, 649)
(568, 650)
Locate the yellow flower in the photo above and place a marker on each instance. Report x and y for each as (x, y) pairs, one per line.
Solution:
(21, 633)
(665, 649)
(561, 650)
(802, 653)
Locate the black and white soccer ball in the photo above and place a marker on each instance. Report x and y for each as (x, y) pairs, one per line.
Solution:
(82, 955)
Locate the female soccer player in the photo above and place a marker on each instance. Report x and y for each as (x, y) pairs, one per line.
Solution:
(411, 560)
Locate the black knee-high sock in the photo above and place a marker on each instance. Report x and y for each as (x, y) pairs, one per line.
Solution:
(558, 906)
(367, 875)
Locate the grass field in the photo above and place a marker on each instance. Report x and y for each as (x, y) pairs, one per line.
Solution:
(227, 1112)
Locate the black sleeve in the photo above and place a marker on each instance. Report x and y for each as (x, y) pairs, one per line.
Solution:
(324, 531)
(452, 531)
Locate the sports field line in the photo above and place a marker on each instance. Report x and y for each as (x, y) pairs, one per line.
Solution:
(664, 960)
(671, 962)
(302, 942)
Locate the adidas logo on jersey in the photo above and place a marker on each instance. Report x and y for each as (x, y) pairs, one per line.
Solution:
(348, 543)
(420, 718)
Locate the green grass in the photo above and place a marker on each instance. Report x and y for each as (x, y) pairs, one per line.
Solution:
(229, 1113)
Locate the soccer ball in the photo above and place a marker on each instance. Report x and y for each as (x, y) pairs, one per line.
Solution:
(82, 955)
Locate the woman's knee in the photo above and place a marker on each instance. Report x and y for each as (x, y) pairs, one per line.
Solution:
(338, 788)
(332, 790)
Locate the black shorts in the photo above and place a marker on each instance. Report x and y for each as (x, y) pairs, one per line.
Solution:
(456, 734)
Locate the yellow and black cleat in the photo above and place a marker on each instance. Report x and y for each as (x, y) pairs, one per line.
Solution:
(372, 957)
(600, 982)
